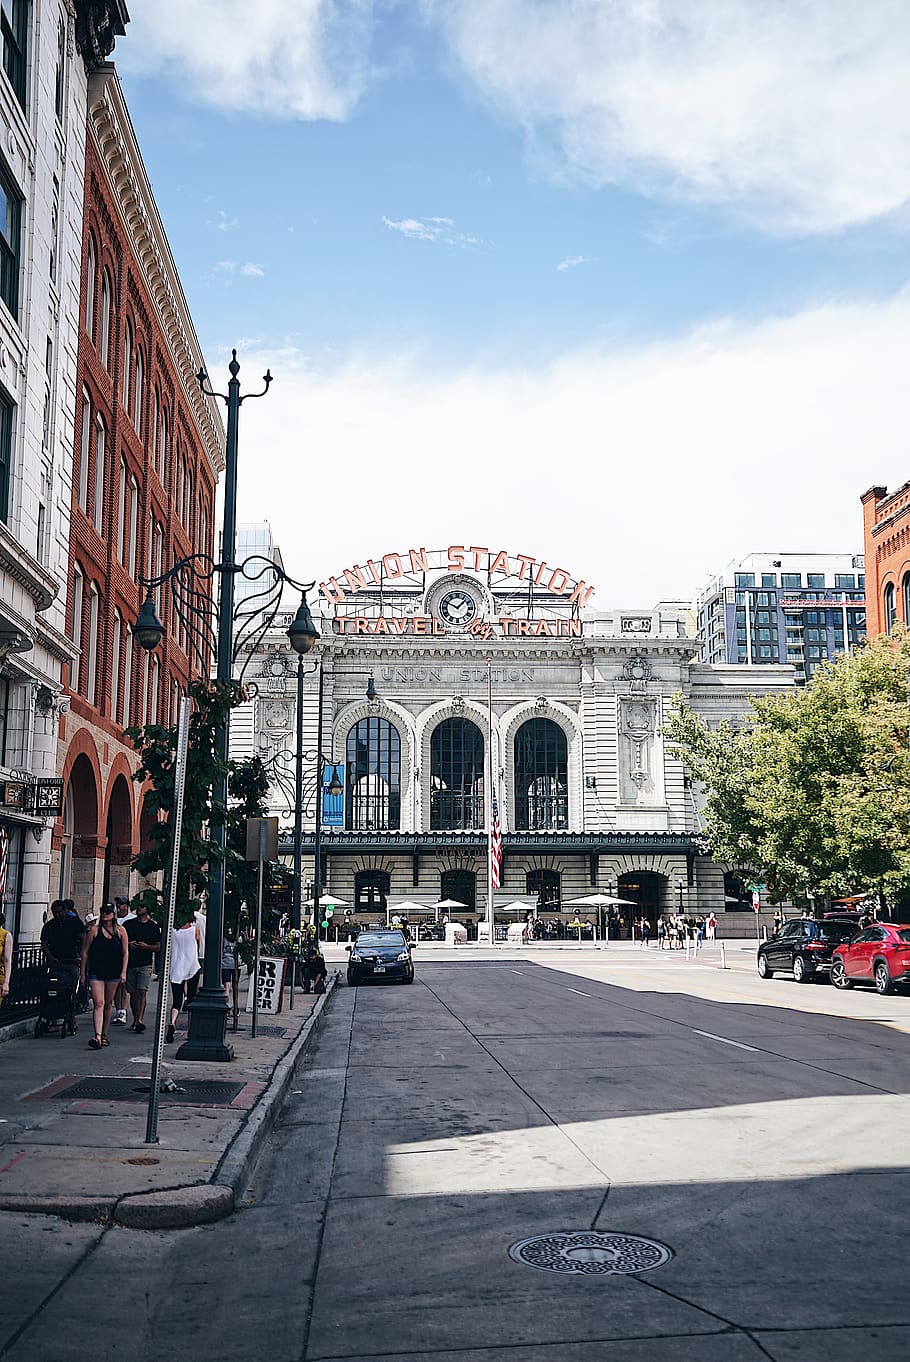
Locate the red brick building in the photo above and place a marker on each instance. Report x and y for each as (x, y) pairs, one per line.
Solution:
(886, 535)
(148, 449)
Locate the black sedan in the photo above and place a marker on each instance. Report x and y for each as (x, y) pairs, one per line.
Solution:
(380, 956)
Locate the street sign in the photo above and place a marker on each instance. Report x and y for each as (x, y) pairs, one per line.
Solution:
(756, 900)
(329, 912)
(757, 888)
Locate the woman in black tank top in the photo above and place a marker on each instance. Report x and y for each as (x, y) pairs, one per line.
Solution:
(104, 956)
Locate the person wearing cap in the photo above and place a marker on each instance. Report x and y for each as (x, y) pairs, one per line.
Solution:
(104, 956)
(124, 915)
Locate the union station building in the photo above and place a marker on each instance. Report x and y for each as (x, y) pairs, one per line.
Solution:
(427, 661)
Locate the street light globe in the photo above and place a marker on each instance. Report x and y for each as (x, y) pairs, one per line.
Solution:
(302, 632)
(148, 629)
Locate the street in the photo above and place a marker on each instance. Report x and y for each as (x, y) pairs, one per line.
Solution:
(752, 1132)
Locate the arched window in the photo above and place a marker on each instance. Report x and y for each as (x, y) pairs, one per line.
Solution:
(162, 449)
(906, 595)
(373, 790)
(127, 678)
(890, 611)
(100, 479)
(153, 693)
(461, 887)
(541, 777)
(121, 512)
(371, 891)
(104, 321)
(156, 431)
(127, 375)
(456, 775)
(132, 538)
(91, 270)
(138, 390)
(546, 887)
(91, 647)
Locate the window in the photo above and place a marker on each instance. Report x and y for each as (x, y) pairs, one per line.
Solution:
(845, 580)
(127, 678)
(791, 581)
(138, 387)
(373, 793)
(890, 612)
(541, 776)
(7, 409)
(121, 513)
(815, 581)
(769, 579)
(134, 527)
(906, 595)
(144, 689)
(460, 886)
(55, 224)
(91, 651)
(60, 77)
(456, 775)
(127, 375)
(116, 661)
(162, 449)
(100, 456)
(104, 321)
(14, 28)
(546, 886)
(10, 223)
(159, 542)
(91, 266)
(744, 579)
(76, 627)
(153, 692)
(156, 431)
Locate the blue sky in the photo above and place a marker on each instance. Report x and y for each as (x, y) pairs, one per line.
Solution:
(623, 285)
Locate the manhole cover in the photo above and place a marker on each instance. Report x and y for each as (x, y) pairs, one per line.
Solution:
(589, 1253)
(144, 1163)
(192, 1092)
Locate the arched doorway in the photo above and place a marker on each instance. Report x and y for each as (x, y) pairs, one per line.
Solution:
(371, 892)
(82, 796)
(119, 849)
(647, 891)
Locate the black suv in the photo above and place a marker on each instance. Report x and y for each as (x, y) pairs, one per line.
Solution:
(804, 947)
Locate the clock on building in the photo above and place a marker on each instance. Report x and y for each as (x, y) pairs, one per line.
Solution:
(457, 608)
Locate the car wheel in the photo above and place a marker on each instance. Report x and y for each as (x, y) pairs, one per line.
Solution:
(801, 973)
(39, 1028)
(409, 978)
(839, 975)
(351, 980)
(764, 970)
(883, 983)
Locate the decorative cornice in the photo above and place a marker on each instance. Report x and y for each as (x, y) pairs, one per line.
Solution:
(99, 23)
(118, 151)
(24, 569)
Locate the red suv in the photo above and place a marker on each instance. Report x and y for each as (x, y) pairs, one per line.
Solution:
(879, 955)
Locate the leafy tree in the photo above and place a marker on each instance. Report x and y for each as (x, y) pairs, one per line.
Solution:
(814, 793)
(157, 748)
(248, 786)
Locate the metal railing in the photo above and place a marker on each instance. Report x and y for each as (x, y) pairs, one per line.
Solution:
(26, 978)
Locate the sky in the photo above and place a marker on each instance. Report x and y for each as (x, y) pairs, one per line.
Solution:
(621, 284)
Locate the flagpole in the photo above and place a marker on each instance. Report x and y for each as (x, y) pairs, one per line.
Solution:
(490, 800)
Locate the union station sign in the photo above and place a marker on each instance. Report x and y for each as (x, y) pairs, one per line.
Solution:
(464, 589)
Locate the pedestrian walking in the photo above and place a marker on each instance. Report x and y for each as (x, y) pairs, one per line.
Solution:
(6, 957)
(661, 933)
(699, 932)
(144, 937)
(124, 915)
(712, 926)
(229, 967)
(104, 956)
(185, 970)
(645, 931)
(61, 941)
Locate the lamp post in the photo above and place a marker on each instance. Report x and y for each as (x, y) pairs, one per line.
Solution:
(190, 580)
(303, 636)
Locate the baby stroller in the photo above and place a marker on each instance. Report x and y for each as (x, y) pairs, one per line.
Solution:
(58, 1004)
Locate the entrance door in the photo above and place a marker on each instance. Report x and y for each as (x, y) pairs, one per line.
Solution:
(460, 885)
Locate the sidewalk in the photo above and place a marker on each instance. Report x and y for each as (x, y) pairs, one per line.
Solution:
(80, 1152)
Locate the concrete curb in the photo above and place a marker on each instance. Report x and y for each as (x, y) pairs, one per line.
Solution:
(12, 1030)
(183, 1207)
(95, 1209)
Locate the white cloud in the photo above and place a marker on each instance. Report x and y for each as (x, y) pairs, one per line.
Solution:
(792, 112)
(572, 260)
(433, 229)
(224, 223)
(251, 270)
(309, 59)
(642, 470)
(226, 271)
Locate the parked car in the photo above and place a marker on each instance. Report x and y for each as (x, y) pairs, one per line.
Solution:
(380, 955)
(805, 947)
(878, 955)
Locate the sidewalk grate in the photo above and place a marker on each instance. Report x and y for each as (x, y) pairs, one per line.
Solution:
(190, 1092)
(591, 1253)
(280, 1031)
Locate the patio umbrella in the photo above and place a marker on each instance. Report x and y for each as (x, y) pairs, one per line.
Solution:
(447, 904)
(517, 906)
(600, 900)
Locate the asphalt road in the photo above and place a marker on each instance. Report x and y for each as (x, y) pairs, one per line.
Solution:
(756, 1132)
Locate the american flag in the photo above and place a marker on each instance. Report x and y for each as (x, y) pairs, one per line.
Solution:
(495, 845)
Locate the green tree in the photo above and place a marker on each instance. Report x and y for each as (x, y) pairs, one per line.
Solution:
(248, 787)
(157, 748)
(814, 792)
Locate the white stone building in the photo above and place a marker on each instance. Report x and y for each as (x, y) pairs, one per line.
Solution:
(50, 47)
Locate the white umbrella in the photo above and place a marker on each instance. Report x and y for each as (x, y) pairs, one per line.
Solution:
(517, 907)
(450, 903)
(600, 900)
(329, 901)
(409, 906)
